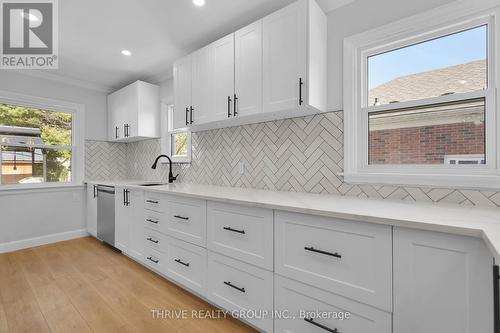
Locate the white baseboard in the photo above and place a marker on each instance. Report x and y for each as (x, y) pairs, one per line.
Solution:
(42, 240)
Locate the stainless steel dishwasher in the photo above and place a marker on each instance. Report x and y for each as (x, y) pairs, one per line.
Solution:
(106, 214)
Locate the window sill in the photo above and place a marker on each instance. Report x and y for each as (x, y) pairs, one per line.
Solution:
(39, 187)
(434, 180)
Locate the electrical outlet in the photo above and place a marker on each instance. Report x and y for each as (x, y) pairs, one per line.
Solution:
(241, 168)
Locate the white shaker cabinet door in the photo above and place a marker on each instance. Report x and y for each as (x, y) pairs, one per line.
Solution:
(182, 92)
(92, 209)
(202, 79)
(223, 52)
(284, 62)
(442, 283)
(248, 69)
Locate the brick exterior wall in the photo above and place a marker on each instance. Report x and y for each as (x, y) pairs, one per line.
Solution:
(425, 145)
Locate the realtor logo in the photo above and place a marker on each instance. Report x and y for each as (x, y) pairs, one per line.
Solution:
(29, 34)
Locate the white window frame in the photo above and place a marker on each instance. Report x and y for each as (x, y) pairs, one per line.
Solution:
(167, 134)
(460, 15)
(77, 133)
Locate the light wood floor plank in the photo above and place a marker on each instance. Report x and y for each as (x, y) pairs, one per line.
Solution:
(4, 328)
(84, 286)
(20, 304)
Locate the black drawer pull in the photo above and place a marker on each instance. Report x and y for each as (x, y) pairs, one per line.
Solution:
(153, 240)
(310, 321)
(152, 221)
(152, 201)
(153, 260)
(312, 249)
(181, 217)
(181, 262)
(228, 283)
(234, 230)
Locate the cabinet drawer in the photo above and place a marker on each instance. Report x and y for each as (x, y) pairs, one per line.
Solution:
(352, 259)
(241, 232)
(186, 219)
(153, 220)
(294, 297)
(236, 286)
(153, 201)
(153, 259)
(187, 264)
(154, 240)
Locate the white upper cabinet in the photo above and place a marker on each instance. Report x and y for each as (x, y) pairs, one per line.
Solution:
(294, 63)
(285, 42)
(223, 52)
(202, 85)
(134, 112)
(182, 92)
(248, 70)
(274, 68)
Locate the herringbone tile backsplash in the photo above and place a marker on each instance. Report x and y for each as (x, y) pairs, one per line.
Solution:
(301, 154)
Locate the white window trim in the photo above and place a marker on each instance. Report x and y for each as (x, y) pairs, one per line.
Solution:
(77, 132)
(167, 132)
(459, 15)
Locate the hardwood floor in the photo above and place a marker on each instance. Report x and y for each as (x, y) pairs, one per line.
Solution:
(83, 286)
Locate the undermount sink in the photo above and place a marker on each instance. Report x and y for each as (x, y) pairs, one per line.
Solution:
(153, 184)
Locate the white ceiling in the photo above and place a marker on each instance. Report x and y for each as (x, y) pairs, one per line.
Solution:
(157, 32)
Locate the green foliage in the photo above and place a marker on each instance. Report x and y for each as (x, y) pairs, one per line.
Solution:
(55, 130)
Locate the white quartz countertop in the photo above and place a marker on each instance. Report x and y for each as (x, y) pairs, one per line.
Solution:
(476, 222)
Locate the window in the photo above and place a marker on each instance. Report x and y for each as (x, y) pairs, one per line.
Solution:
(37, 143)
(420, 106)
(175, 143)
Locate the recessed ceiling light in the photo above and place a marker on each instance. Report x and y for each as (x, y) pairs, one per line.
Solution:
(126, 53)
(199, 3)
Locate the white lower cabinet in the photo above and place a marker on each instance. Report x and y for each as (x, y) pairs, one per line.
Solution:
(442, 283)
(314, 274)
(186, 219)
(92, 209)
(242, 232)
(305, 309)
(352, 259)
(236, 286)
(154, 259)
(186, 264)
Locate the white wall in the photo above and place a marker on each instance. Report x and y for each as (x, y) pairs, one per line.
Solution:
(32, 218)
(359, 16)
(94, 101)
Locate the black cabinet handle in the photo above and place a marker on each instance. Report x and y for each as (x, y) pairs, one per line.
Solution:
(312, 249)
(496, 300)
(300, 91)
(152, 221)
(310, 321)
(153, 260)
(181, 217)
(235, 109)
(181, 262)
(187, 111)
(116, 132)
(152, 240)
(126, 198)
(191, 111)
(228, 106)
(228, 283)
(234, 230)
(95, 191)
(152, 201)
